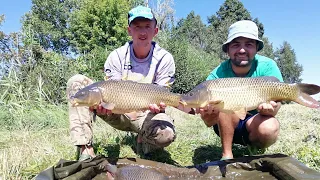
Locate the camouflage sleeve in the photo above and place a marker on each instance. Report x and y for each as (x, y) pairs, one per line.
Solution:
(112, 66)
(166, 71)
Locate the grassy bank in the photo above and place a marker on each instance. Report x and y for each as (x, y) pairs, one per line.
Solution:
(35, 139)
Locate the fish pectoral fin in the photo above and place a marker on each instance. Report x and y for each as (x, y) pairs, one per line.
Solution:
(241, 113)
(75, 104)
(109, 106)
(217, 103)
(132, 115)
(183, 103)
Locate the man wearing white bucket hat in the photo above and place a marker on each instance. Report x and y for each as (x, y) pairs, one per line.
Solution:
(260, 128)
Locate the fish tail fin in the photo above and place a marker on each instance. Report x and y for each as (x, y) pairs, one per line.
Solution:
(304, 97)
(307, 100)
(310, 89)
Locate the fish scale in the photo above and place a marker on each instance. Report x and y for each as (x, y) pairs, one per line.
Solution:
(234, 95)
(124, 96)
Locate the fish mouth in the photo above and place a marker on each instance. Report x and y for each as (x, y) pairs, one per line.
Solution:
(73, 101)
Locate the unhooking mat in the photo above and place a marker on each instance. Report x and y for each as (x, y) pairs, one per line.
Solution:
(275, 166)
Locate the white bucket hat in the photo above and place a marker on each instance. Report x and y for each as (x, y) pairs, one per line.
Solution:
(243, 28)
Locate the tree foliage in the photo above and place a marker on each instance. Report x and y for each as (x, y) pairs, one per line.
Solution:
(193, 29)
(99, 23)
(32, 73)
(65, 37)
(192, 65)
(267, 49)
(229, 12)
(163, 11)
(48, 21)
(287, 62)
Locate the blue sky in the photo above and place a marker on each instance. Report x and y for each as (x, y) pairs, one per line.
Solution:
(283, 20)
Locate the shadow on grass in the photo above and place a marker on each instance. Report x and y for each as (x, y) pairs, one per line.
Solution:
(130, 139)
(162, 156)
(159, 155)
(107, 150)
(211, 153)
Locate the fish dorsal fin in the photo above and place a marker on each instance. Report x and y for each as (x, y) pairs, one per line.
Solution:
(241, 113)
(109, 106)
(269, 78)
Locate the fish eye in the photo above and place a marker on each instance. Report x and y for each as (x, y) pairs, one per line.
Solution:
(191, 94)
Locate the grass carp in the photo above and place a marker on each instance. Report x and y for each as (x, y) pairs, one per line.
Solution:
(239, 95)
(124, 96)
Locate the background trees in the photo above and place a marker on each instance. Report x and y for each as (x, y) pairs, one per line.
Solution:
(287, 62)
(65, 37)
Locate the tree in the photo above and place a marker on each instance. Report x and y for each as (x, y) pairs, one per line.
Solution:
(163, 11)
(48, 21)
(229, 12)
(99, 23)
(287, 62)
(267, 49)
(230, 9)
(11, 51)
(193, 29)
(192, 65)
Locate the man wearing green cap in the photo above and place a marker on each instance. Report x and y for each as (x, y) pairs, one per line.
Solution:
(141, 60)
(260, 128)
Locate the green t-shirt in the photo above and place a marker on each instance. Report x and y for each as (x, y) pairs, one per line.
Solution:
(261, 66)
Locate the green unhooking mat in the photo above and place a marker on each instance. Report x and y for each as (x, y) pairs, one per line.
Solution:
(275, 166)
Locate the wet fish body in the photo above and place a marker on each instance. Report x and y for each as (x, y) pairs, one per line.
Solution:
(124, 96)
(137, 172)
(239, 95)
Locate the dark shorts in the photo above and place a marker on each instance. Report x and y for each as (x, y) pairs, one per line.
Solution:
(241, 135)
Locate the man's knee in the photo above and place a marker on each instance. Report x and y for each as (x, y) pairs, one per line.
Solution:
(165, 135)
(77, 82)
(269, 127)
(159, 130)
(264, 131)
(77, 77)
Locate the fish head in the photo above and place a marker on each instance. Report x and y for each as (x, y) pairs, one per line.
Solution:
(196, 97)
(88, 96)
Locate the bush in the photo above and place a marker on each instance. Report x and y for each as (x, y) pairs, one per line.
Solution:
(192, 65)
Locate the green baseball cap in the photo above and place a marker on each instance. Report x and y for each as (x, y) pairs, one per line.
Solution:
(140, 12)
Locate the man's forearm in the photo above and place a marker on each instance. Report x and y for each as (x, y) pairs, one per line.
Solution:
(210, 121)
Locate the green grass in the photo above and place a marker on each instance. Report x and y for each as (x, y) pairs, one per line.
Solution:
(34, 139)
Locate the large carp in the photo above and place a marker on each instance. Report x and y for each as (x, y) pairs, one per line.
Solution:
(124, 96)
(134, 173)
(239, 95)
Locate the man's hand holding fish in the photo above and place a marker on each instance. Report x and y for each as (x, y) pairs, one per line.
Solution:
(269, 109)
(154, 108)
